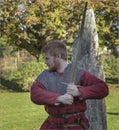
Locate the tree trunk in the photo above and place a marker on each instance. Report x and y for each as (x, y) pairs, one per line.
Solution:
(89, 60)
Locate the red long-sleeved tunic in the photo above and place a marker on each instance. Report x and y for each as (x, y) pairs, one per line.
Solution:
(90, 87)
(48, 86)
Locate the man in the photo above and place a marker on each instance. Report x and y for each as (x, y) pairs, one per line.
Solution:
(64, 102)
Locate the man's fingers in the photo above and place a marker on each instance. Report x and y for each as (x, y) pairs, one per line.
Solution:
(66, 99)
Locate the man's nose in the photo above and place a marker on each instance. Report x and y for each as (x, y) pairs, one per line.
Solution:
(46, 62)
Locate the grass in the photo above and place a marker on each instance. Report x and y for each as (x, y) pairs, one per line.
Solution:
(112, 105)
(17, 112)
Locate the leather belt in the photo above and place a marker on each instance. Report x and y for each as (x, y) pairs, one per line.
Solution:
(70, 125)
(67, 115)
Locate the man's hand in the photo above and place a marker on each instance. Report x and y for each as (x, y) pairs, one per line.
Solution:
(65, 99)
(73, 90)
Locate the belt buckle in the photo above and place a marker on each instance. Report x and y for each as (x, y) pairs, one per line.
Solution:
(65, 115)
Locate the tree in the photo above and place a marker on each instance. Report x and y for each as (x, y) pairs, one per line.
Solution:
(30, 24)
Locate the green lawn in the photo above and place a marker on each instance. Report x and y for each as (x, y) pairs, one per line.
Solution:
(17, 112)
(112, 105)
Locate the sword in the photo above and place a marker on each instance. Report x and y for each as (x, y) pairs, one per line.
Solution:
(78, 48)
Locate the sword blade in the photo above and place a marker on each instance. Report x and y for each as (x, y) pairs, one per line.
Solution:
(78, 48)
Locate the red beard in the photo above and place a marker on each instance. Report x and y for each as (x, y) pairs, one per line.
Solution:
(55, 67)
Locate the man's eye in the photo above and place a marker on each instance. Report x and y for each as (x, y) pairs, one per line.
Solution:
(47, 58)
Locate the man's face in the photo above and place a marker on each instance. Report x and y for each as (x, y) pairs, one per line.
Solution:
(51, 62)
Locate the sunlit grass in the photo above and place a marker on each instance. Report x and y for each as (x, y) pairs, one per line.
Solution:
(112, 105)
(17, 112)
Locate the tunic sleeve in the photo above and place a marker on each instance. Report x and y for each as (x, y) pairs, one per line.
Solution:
(92, 87)
(39, 95)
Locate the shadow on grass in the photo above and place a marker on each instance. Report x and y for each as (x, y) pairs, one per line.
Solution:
(112, 80)
(113, 113)
(10, 84)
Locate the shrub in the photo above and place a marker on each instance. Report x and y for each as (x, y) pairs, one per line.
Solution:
(110, 65)
(25, 74)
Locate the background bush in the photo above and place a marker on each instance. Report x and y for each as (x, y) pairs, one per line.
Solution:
(24, 76)
(110, 65)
